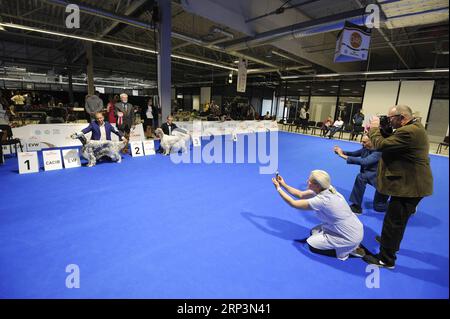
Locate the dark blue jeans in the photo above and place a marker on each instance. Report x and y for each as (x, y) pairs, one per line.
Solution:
(356, 197)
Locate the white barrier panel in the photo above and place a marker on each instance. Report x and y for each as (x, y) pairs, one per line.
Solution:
(149, 148)
(71, 158)
(7, 150)
(28, 162)
(137, 149)
(196, 141)
(58, 135)
(32, 144)
(52, 160)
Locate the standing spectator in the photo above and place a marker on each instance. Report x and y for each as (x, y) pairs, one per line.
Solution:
(214, 109)
(111, 107)
(93, 104)
(251, 112)
(404, 173)
(125, 115)
(18, 99)
(357, 122)
(147, 114)
(303, 116)
(28, 102)
(156, 114)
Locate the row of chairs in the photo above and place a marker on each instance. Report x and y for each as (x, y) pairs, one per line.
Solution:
(305, 126)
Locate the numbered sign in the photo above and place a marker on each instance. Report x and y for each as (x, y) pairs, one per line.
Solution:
(71, 158)
(137, 149)
(52, 160)
(196, 141)
(149, 148)
(28, 162)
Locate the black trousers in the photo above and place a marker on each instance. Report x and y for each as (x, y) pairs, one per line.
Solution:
(397, 215)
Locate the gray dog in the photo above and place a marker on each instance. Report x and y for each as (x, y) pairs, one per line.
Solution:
(95, 150)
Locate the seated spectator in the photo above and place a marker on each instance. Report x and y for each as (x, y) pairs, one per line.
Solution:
(326, 126)
(337, 125)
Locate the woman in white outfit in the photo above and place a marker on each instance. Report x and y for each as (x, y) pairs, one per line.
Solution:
(341, 232)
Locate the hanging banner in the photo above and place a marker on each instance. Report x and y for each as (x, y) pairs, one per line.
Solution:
(352, 44)
(242, 75)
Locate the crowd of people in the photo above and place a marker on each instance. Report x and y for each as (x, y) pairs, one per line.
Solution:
(396, 164)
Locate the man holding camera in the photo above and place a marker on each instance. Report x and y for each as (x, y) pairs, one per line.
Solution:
(404, 173)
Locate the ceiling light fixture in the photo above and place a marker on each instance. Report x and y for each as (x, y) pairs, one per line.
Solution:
(443, 70)
(66, 35)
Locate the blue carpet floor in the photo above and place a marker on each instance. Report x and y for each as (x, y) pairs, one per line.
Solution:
(147, 228)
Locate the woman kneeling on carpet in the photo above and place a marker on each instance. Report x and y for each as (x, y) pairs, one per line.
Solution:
(341, 232)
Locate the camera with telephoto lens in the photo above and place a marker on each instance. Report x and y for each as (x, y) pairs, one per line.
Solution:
(385, 126)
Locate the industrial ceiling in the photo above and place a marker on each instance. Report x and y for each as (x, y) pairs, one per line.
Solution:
(279, 38)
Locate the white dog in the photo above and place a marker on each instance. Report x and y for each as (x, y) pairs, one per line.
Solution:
(173, 143)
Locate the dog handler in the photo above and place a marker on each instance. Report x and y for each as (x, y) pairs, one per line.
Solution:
(341, 232)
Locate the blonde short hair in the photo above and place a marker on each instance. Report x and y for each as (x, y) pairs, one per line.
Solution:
(322, 178)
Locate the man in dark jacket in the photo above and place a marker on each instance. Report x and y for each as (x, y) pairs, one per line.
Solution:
(367, 157)
(101, 130)
(404, 173)
(169, 126)
(125, 114)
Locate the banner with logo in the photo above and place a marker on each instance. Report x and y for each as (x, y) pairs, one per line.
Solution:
(36, 137)
(352, 44)
(41, 136)
(242, 75)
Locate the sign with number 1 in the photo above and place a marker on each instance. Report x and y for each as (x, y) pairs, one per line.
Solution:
(28, 162)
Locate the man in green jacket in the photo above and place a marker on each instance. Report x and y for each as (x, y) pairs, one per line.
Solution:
(404, 173)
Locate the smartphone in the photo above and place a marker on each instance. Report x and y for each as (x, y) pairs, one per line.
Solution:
(276, 175)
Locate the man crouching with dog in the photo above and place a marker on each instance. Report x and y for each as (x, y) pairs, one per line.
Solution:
(100, 144)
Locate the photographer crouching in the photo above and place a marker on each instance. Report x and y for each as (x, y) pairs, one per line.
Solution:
(404, 173)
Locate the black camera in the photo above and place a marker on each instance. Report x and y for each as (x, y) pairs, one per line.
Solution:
(385, 126)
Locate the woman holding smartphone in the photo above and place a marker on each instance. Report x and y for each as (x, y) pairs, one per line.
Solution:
(340, 233)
